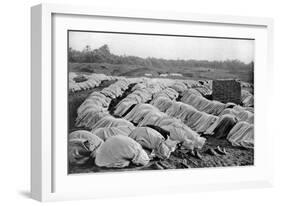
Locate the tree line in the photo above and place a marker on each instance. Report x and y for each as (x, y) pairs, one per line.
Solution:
(103, 55)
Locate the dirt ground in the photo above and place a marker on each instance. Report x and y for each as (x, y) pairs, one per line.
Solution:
(235, 156)
(181, 159)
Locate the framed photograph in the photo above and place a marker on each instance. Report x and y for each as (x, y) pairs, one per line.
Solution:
(137, 102)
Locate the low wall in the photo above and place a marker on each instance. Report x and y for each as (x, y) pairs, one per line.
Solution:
(227, 91)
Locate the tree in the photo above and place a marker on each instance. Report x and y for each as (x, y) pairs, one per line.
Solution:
(104, 50)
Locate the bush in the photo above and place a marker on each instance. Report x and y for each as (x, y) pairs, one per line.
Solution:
(103, 55)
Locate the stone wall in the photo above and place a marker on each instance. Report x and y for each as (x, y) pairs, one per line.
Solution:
(227, 91)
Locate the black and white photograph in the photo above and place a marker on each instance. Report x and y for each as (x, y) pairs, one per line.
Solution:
(139, 101)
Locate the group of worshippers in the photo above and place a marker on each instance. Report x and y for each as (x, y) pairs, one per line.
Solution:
(162, 126)
(118, 151)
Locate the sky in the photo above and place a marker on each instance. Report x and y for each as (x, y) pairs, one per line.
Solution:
(167, 47)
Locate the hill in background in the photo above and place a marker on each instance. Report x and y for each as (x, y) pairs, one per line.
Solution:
(101, 60)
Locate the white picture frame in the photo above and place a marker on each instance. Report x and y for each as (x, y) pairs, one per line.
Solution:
(46, 179)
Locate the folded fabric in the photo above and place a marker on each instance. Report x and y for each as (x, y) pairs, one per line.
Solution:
(89, 81)
(196, 120)
(242, 114)
(162, 103)
(91, 117)
(242, 134)
(147, 137)
(183, 134)
(123, 106)
(110, 121)
(223, 125)
(119, 151)
(152, 118)
(203, 104)
(107, 132)
(138, 113)
(247, 98)
(80, 146)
